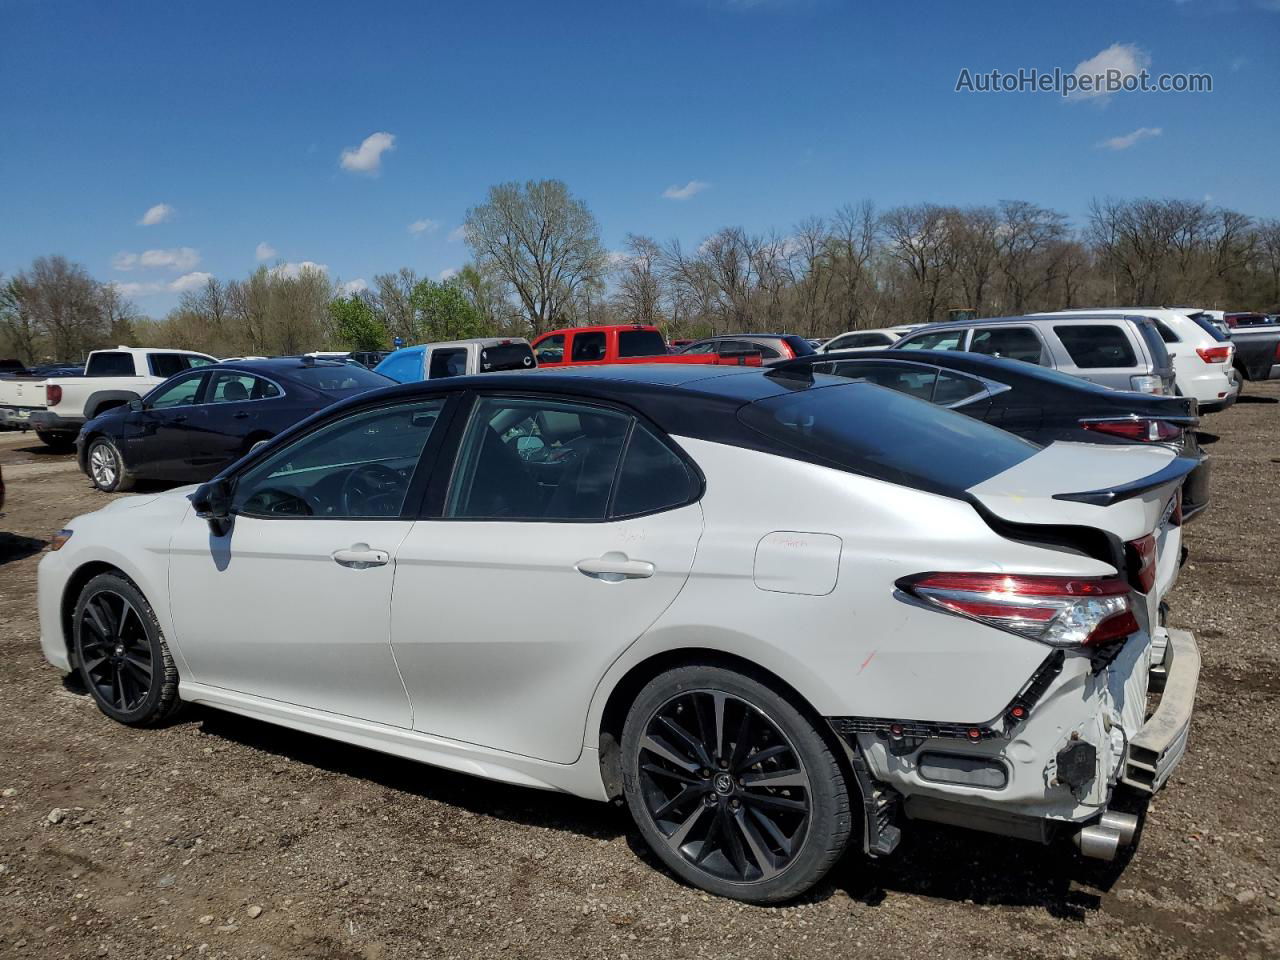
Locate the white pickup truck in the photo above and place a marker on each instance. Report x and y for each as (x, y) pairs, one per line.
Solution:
(58, 407)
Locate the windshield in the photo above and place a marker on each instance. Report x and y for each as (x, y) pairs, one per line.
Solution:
(888, 435)
(340, 378)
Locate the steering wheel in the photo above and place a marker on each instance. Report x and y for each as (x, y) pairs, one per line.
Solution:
(371, 490)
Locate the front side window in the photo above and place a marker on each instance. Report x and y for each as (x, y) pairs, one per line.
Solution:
(1011, 343)
(451, 362)
(940, 340)
(113, 363)
(179, 393)
(537, 460)
(1094, 346)
(231, 387)
(588, 346)
(551, 349)
(357, 467)
(641, 343)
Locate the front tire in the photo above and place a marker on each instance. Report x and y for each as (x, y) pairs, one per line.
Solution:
(122, 655)
(106, 467)
(732, 787)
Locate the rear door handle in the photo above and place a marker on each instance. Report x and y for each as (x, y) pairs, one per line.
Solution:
(360, 556)
(241, 415)
(613, 567)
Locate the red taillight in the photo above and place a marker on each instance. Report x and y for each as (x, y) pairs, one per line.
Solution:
(1214, 354)
(1276, 358)
(1060, 611)
(1142, 562)
(52, 395)
(1140, 430)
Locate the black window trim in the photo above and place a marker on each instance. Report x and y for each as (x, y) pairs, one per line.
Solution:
(445, 469)
(991, 388)
(419, 482)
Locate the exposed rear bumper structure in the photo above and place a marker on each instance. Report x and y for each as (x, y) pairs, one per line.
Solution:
(1156, 749)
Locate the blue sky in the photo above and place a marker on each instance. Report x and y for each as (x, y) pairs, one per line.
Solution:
(235, 117)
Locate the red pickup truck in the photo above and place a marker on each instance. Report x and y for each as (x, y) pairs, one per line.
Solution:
(633, 343)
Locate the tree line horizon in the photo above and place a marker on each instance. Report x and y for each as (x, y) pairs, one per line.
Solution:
(538, 264)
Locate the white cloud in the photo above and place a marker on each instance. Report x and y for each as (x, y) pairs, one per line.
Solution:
(190, 281)
(677, 192)
(358, 285)
(447, 273)
(617, 258)
(1129, 139)
(264, 251)
(367, 158)
(292, 270)
(175, 258)
(1126, 59)
(419, 227)
(157, 214)
(458, 234)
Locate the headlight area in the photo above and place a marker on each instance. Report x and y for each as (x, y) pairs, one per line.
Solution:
(59, 539)
(1047, 763)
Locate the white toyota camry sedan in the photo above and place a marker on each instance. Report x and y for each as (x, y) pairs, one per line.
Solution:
(769, 611)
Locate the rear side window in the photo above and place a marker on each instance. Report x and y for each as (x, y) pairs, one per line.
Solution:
(652, 477)
(913, 379)
(1151, 336)
(167, 364)
(638, 343)
(1205, 322)
(941, 340)
(1011, 343)
(588, 346)
(448, 363)
(1093, 346)
(888, 436)
(1167, 335)
(860, 340)
(114, 364)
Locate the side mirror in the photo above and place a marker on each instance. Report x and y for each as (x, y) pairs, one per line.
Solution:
(135, 405)
(212, 502)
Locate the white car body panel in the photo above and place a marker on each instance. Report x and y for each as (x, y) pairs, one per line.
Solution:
(544, 631)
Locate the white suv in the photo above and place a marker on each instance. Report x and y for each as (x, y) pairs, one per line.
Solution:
(1202, 366)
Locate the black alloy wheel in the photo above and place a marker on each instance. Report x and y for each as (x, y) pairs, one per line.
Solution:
(122, 656)
(734, 789)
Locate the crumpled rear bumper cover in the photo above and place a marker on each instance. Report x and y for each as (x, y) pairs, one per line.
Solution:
(1157, 748)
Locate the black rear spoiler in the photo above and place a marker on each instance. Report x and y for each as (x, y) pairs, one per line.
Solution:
(1177, 469)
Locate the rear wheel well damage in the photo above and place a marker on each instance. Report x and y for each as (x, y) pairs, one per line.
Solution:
(626, 690)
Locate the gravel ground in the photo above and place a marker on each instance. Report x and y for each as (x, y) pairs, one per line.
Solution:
(224, 837)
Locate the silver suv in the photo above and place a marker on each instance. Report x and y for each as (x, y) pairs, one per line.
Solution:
(1124, 353)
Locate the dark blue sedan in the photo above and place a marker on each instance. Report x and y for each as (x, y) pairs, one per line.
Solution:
(199, 421)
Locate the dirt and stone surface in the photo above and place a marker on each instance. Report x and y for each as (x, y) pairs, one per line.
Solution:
(224, 837)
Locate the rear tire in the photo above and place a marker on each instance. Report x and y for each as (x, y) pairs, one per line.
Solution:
(121, 653)
(106, 468)
(732, 786)
(56, 441)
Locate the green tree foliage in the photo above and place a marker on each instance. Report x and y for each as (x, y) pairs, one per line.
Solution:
(442, 312)
(356, 325)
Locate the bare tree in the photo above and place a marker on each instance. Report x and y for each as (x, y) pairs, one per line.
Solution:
(640, 280)
(394, 301)
(917, 239)
(541, 240)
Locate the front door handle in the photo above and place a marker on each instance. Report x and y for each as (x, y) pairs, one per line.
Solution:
(241, 414)
(359, 556)
(614, 567)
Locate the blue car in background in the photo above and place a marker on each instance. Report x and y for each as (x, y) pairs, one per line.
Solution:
(456, 358)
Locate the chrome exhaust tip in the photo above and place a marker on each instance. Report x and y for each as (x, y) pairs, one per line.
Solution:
(1097, 842)
(1125, 824)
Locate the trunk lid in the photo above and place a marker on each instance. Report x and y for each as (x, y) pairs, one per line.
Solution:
(1122, 490)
